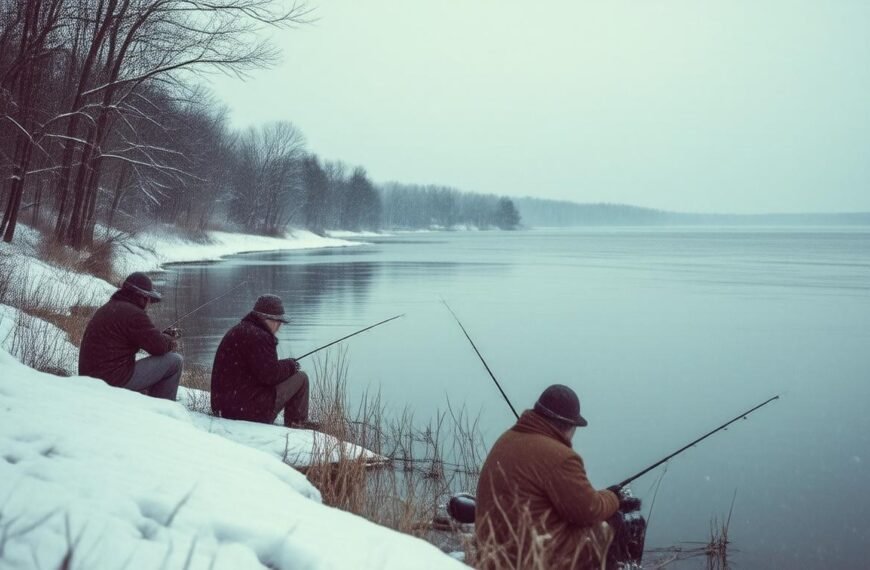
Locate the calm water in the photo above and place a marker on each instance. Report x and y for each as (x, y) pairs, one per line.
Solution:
(665, 333)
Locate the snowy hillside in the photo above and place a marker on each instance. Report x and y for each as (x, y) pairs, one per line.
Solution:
(108, 478)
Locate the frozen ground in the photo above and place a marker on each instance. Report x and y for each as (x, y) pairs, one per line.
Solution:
(99, 477)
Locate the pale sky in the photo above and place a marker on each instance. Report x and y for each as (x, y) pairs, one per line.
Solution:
(727, 106)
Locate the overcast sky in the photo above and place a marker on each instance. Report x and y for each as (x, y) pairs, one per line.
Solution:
(728, 106)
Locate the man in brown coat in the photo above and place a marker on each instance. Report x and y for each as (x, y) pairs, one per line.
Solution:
(121, 328)
(535, 505)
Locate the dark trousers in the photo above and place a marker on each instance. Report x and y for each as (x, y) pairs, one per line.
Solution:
(291, 395)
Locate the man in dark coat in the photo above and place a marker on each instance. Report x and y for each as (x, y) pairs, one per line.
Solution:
(535, 505)
(121, 328)
(248, 381)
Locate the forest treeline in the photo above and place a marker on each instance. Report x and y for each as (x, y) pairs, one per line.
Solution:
(537, 212)
(102, 124)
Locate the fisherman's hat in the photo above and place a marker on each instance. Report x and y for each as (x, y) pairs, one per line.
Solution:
(560, 402)
(140, 283)
(270, 307)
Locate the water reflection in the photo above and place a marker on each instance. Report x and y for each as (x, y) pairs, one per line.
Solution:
(665, 334)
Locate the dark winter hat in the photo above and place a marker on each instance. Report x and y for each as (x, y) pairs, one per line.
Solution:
(140, 283)
(560, 402)
(270, 307)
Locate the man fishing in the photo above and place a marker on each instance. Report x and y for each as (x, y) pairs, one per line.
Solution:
(121, 328)
(535, 505)
(248, 381)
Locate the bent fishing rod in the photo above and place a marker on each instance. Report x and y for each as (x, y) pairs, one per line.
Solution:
(480, 356)
(350, 335)
(700, 439)
(207, 303)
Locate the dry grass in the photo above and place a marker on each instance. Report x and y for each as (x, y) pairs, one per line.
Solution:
(34, 337)
(97, 260)
(198, 378)
(715, 551)
(424, 466)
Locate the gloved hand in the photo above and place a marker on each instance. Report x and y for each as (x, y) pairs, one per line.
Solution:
(295, 364)
(616, 490)
(172, 332)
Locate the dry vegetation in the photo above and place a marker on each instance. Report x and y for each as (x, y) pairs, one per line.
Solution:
(422, 466)
(34, 336)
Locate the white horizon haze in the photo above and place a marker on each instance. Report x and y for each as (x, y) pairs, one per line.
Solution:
(732, 107)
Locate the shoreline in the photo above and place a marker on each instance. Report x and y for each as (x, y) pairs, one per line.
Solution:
(51, 299)
(42, 305)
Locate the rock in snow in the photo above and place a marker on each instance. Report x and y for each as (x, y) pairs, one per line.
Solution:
(114, 479)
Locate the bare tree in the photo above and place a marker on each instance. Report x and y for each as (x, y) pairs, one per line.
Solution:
(110, 57)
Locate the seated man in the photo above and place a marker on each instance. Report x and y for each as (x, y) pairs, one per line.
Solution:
(248, 382)
(535, 506)
(121, 328)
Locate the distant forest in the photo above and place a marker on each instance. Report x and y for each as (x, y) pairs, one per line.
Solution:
(536, 212)
(103, 125)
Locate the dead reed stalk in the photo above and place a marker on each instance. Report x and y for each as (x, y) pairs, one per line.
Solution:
(425, 465)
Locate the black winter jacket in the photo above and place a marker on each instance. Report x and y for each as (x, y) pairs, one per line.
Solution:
(117, 331)
(245, 372)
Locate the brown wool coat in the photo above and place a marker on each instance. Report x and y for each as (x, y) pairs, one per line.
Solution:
(533, 489)
(117, 331)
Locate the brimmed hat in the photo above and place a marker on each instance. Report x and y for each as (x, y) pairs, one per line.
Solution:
(560, 402)
(140, 283)
(270, 307)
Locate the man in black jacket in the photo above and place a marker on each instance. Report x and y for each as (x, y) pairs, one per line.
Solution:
(248, 381)
(121, 328)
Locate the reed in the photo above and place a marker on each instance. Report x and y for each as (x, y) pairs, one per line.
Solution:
(421, 465)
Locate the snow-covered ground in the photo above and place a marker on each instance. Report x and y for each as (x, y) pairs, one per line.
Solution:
(294, 446)
(150, 251)
(56, 351)
(114, 479)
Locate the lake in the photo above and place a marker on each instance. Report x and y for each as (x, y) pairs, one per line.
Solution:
(664, 332)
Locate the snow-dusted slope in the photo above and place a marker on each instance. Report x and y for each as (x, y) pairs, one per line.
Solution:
(149, 251)
(126, 481)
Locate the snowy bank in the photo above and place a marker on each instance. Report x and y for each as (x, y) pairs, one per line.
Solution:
(150, 251)
(297, 447)
(99, 477)
(20, 333)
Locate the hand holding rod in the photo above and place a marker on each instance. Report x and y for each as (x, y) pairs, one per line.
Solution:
(491, 375)
(350, 335)
(703, 437)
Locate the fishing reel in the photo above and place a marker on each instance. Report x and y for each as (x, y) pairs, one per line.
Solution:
(172, 332)
(629, 527)
(462, 508)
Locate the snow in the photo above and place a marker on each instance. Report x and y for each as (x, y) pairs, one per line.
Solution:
(151, 251)
(126, 481)
(56, 288)
(36, 342)
(294, 446)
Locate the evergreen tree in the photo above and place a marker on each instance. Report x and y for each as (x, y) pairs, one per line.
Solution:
(506, 216)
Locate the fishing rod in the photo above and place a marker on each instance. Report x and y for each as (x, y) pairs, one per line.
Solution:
(348, 336)
(703, 437)
(480, 356)
(207, 303)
